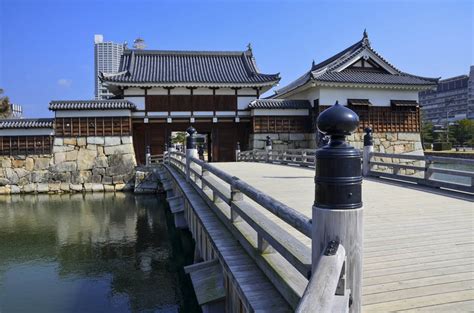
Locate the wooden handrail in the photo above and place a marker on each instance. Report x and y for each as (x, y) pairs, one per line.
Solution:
(326, 291)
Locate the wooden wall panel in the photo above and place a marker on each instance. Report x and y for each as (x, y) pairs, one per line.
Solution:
(25, 145)
(92, 126)
(387, 119)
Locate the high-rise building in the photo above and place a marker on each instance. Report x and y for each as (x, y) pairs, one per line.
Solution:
(452, 100)
(106, 60)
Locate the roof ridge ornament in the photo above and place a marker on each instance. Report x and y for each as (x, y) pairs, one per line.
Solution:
(249, 48)
(365, 39)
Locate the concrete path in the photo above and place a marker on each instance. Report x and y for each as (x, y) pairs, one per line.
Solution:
(418, 245)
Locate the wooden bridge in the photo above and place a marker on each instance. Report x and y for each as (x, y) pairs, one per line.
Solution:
(261, 248)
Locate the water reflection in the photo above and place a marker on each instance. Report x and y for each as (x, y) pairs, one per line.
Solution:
(92, 253)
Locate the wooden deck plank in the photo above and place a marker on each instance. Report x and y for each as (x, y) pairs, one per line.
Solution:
(416, 240)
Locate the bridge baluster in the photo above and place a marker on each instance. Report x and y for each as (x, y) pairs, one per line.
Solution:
(237, 152)
(337, 210)
(368, 149)
(191, 149)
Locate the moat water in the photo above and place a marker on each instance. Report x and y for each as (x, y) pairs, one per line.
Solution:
(92, 253)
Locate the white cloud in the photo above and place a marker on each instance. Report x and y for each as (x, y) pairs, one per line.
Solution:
(64, 82)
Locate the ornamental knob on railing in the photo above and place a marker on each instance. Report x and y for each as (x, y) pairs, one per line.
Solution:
(268, 142)
(338, 171)
(191, 139)
(368, 137)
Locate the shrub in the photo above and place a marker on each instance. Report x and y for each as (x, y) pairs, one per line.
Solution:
(440, 146)
(427, 146)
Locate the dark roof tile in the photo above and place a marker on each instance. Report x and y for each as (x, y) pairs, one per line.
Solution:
(91, 105)
(279, 104)
(26, 123)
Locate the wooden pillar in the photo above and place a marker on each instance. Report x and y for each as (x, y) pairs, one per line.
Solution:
(337, 210)
(368, 149)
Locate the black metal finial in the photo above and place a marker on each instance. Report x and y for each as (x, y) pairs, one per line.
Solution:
(368, 137)
(268, 142)
(337, 122)
(191, 139)
(338, 171)
(365, 35)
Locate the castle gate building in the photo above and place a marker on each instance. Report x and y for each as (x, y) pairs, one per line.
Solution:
(385, 98)
(175, 89)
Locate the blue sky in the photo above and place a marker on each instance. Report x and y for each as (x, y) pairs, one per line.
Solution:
(46, 47)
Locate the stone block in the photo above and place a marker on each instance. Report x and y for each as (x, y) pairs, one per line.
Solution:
(109, 188)
(92, 147)
(75, 187)
(11, 175)
(107, 180)
(97, 187)
(62, 148)
(58, 141)
(54, 187)
(127, 139)
(88, 186)
(14, 189)
(96, 179)
(100, 151)
(71, 155)
(21, 172)
(258, 144)
(4, 181)
(64, 177)
(29, 164)
(95, 140)
(5, 190)
(42, 163)
(118, 179)
(39, 176)
(119, 187)
(18, 163)
(409, 136)
(68, 166)
(284, 136)
(112, 141)
(64, 187)
(121, 149)
(120, 164)
(6, 162)
(101, 161)
(59, 157)
(28, 188)
(70, 141)
(42, 188)
(98, 171)
(85, 159)
(398, 149)
(296, 136)
(391, 136)
(81, 141)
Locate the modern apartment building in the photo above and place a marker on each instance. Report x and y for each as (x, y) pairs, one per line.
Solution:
(106, 60)
(452, 100)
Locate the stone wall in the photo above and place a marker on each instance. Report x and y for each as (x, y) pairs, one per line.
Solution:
(77, 164)
(383, 142)
(282, 141)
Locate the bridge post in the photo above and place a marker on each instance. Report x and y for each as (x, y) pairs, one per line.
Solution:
(337, 209)
(237, 151)
(268, 148)
(191, 149)
(368, 149)
(147, 155)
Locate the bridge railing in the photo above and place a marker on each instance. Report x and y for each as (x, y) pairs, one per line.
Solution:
(301, 157)
(156, 158)
(429, 171)
(258, 221)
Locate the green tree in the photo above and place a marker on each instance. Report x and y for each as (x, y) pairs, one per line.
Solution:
(179, 137)
(462, 132)
(5, 108)
(427, 132)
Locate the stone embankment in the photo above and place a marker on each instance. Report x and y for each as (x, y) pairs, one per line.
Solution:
(76, 164)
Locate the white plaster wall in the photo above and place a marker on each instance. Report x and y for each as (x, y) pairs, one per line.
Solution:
(139, 101)
(180, 91)
(225, 91)
(26, 132)
(93, 113)
(157, 91)
(202, 91)
(243, 102)
(133, 91)
(288, 112)
(378, 97)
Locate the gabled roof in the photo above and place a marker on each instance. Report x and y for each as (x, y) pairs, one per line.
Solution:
(279, 104)
(91, 105)
(26, 123)
(189, 69)
(337, 70)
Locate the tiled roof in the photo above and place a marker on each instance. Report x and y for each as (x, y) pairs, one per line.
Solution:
(363, 77)
(189, 68)
(327, 71)
(91, 105)
(26, 123)
(279, 104)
